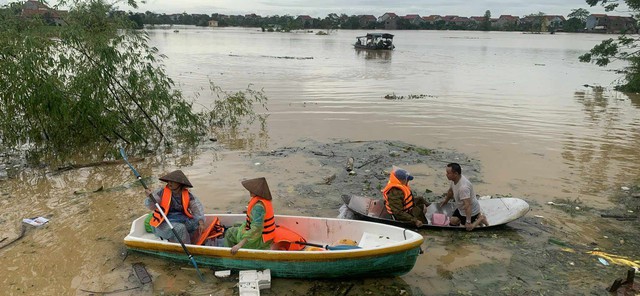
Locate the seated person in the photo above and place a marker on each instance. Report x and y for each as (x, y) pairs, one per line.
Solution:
(258, 230)
(182, 208)
(400, 201)
(468, 212)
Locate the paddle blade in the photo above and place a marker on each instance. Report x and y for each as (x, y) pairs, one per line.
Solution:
(193, 261)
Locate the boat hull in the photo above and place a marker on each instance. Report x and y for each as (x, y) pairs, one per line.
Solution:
(499, 211)
(392, 259)
(365, 47)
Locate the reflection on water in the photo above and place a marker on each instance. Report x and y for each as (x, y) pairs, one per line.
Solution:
(374, 54)
(515, 103)
(606, 154)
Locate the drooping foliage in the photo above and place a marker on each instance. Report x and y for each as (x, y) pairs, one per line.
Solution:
(624, 47)
(91, 81)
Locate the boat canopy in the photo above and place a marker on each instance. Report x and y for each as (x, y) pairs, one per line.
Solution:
(376, 41)
(377, 35)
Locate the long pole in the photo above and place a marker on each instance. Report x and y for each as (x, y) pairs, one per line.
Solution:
(193, 261)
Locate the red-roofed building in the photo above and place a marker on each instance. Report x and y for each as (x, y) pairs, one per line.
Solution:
(306, 20)
(414, 19)
(460, 21)
(432, 19)
(32, 9)
(507, 20)
(390, 20)
(366, 20)
(611, 24)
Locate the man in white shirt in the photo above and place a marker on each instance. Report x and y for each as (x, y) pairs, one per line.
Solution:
(468, 210)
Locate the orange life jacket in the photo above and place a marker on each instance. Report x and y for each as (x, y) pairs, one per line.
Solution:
(165, 203)
(407, 202)
(269, 224)
(287, 239)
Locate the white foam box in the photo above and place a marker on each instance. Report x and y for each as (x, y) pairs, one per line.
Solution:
(370, 240)
(222, 273)
(263, 278)
(249, 289)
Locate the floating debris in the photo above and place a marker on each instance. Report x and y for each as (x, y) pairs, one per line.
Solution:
(36, 221)
(408, 97)
(141, 273)
(603, 261)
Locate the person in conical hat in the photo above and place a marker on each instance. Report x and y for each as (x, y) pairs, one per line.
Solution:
(258, 229)
(177, 176)
(183, 209)
(258, 187)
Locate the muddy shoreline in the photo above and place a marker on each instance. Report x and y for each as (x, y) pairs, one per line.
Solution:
(547, 252)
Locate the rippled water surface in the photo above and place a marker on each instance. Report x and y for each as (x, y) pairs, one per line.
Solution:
(516, 103)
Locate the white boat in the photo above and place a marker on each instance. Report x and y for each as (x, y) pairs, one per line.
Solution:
(383, 250)
(499, 211)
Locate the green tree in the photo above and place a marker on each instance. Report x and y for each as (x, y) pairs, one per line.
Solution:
(579, 13)
(624, 48)
(577, 20)
(486, 21)
(93, 81)
(538, 22)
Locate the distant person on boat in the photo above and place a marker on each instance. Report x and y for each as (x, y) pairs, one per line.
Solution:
(400, 202)
(468, 210)
(258, 230)
(182, 208)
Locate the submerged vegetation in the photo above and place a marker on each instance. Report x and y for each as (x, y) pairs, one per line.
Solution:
(95, 81)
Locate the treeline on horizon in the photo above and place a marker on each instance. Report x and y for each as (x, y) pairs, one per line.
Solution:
(575, 23)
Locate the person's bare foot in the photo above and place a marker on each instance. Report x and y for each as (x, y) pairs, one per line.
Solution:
(482, 221)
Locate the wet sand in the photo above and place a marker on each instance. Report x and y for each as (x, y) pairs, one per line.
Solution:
(80, 251)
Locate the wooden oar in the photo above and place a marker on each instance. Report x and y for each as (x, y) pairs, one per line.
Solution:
(330, 248)
(193, 261)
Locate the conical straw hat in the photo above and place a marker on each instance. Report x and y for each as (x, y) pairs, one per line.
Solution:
(258, 186)
(178, 177)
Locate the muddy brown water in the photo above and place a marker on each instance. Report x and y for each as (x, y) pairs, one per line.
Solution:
(511, 108)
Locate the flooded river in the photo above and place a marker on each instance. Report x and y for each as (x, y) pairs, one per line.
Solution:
(521, 106)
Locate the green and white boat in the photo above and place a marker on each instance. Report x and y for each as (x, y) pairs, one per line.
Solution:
(384, 250)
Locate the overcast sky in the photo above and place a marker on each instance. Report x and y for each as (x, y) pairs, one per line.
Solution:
(374, 7)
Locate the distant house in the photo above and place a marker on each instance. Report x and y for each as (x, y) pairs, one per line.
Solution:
(460, 21)
(611, 24)
(554, 21)
(414, 19)
(213, 23)
(432, 19)
(507, 20)
(477, 19)
(389, 20)
(366, 20)
(219, 16)
(32, 9)
(448, 18)
(305, 20)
